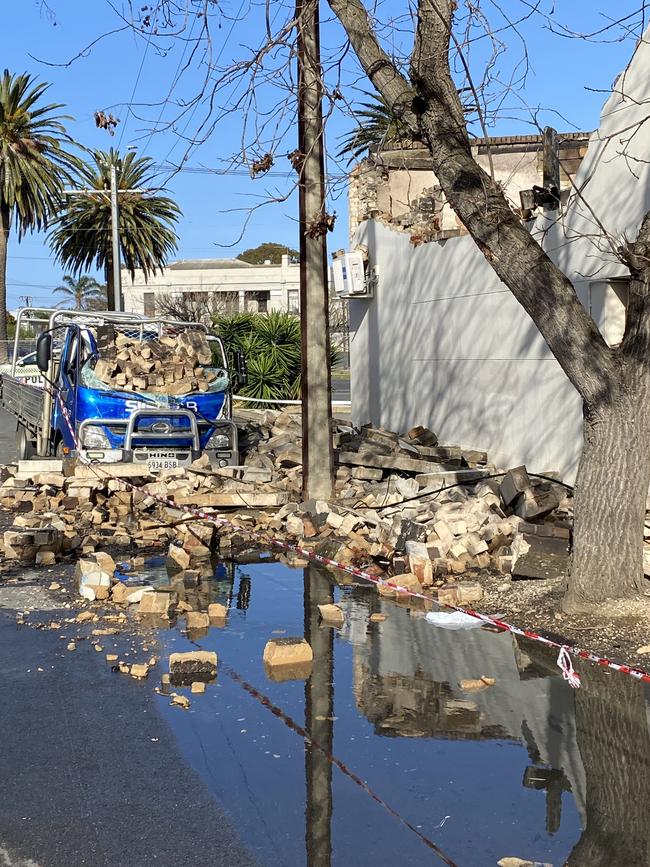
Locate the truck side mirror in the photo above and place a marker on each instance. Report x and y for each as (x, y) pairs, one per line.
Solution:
(44, 351)
(241, 369)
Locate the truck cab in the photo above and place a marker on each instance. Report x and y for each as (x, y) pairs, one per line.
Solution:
(82, 415)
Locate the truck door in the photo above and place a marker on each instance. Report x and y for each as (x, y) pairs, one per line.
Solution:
(67, 384)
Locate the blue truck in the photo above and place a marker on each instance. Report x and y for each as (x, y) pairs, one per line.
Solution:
(72, 413)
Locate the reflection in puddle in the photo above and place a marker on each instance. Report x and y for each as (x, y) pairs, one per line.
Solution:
(526, 767)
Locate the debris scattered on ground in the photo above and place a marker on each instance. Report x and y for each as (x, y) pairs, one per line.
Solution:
(288, 659)
(332, 615)
(520, 862)
(185, 668)
(475, 684)
(438, 520)
(287, 651)
(404, 505)
(139, 670)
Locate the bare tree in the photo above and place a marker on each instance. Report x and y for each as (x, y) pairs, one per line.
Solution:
(195, 306)
(614, 383)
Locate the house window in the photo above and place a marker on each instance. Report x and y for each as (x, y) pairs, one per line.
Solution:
(293, 301)
(149, 302)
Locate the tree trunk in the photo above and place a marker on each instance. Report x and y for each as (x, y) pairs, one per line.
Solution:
(319, 720)
(612, 735)
(5, 222)
(316, 385)
(610, 503)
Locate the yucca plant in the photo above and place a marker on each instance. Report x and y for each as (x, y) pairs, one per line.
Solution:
(35, 165)
(271, 345)
(81, 237)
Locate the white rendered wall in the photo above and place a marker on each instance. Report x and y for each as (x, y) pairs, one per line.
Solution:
(444, 343)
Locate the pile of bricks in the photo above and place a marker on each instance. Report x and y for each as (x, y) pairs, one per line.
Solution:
(403, 506)
(171, 365)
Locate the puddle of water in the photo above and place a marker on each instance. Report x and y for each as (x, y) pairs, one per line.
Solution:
(526, 768)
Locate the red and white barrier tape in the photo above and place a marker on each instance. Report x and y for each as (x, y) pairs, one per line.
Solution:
(565, 651)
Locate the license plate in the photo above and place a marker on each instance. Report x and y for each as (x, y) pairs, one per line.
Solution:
(162, 461)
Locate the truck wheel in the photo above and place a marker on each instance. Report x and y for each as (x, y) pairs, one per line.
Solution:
(25, 447)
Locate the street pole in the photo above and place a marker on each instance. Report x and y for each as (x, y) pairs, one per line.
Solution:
(115, 232)
(317, 455)
(113, 269)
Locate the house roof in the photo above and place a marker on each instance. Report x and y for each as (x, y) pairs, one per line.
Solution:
(206, 264)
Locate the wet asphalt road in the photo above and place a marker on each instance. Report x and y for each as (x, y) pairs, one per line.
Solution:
(90, 773)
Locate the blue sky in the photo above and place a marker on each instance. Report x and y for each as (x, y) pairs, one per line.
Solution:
(123, 69)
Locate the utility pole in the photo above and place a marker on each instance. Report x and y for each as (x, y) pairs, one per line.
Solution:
(317, 454)
(114, 285)
(115, 237)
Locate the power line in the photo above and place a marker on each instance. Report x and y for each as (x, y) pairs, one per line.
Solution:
(197, 103)
(137, 81)
(32, 258)
(175, 80)
(206, 170)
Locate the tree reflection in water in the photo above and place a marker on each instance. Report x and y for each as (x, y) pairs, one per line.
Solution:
(611, 732)
(613, 739)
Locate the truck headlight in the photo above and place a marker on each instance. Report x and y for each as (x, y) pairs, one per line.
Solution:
(219, 441)
(95, 438)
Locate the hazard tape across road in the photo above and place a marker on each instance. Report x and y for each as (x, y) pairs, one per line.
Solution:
(565, 651)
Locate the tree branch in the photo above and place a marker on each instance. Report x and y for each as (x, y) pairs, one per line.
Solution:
(537, 283)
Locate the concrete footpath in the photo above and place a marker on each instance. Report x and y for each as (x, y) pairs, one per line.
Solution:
(90, 774)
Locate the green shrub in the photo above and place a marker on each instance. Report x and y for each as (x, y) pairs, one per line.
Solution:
(271, 345)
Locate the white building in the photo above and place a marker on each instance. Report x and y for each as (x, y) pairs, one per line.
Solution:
(229, 285)
(442, 342)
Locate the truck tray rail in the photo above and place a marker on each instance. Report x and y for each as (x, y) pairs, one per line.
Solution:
(23, 401)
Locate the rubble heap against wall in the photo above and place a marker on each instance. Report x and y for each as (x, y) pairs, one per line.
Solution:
(431, 517)
(405, 507)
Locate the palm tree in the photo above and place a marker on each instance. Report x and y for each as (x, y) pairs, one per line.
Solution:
(81, 237)
(34, 166)
(85, 293)
(377, 125)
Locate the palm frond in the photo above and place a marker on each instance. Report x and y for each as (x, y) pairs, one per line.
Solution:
(81, 237)
(35, 163)
(376, 127)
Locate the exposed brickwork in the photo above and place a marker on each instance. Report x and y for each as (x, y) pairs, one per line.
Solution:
(398, 187)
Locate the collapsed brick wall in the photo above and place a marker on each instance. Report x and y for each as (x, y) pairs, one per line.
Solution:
(398, 188)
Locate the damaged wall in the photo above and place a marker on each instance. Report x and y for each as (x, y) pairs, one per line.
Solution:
(444, 343)
(399, 188)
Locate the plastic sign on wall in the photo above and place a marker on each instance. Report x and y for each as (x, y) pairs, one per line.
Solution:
(349, 275)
